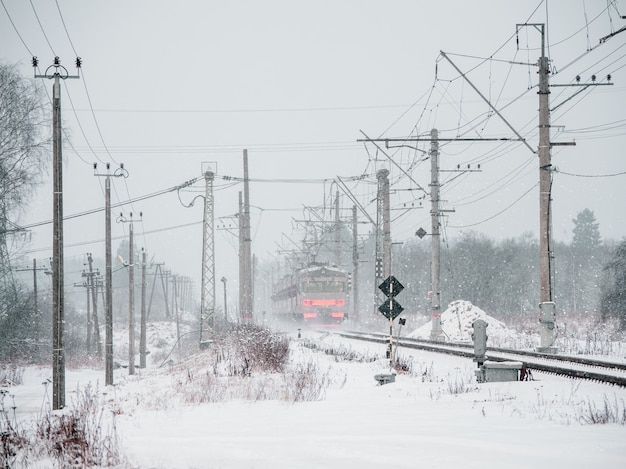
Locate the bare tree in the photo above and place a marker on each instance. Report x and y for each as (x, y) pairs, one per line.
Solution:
(23, 153)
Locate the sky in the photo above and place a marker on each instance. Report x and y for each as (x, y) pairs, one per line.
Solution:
(438, 417)
(168, 89)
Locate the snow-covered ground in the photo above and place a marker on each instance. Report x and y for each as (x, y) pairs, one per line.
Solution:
(435, 417)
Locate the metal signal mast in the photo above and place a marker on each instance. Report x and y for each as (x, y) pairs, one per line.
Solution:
(207, 308)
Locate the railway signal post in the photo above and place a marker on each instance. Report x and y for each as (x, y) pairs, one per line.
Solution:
(390, 308)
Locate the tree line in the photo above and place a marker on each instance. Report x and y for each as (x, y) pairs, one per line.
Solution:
(499, 276)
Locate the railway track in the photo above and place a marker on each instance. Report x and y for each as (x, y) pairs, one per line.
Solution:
(563, 365)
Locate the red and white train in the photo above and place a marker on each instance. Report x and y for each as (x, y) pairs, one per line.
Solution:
(318, 295)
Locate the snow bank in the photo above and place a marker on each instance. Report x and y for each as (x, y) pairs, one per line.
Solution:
(456, 322)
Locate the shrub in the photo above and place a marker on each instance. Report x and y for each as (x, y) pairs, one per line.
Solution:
(11, 375)
(12, 441)
(74, 437)
(608, 412)
(245, 348)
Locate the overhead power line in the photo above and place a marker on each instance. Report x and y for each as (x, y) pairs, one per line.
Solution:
(500, 212)
(590, 175)
(100, 209)
(250, 110)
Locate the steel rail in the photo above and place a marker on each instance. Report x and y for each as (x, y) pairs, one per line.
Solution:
(466, 351)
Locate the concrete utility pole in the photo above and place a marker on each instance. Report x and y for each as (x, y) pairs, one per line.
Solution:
(207, 306)
(176, 310)
(547, 305)
(383, 184)
(142, 327)
(436, 332)
(355, 267)
(225, 303)
(131, 299)
(241, 255)
(108, 286)
(56, 72)
(165, 283)
(131, 289)
(337, 231)
(247, 300)
(383, 233)
(35, 301)
(93, 290)
(108, 270)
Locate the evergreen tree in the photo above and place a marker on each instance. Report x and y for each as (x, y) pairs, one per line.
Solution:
(613, 302)
(586, 261)
(586, 234)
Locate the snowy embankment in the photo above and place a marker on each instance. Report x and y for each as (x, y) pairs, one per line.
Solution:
(324, 409)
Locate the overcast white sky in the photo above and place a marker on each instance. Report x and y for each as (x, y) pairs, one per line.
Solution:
(167, 86)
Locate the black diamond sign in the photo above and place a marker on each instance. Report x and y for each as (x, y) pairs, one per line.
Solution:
(391, 309)
(391, 286)
(421, 233)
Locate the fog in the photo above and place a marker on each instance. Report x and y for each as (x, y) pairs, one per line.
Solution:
(166, 87)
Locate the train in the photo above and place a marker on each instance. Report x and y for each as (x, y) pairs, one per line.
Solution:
(317, 295)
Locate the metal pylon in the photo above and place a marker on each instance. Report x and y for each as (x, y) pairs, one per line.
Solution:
(207, 311)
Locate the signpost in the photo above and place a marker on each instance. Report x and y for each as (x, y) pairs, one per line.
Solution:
(390, 308)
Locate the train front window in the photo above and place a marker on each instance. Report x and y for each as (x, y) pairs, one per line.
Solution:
(322, 286)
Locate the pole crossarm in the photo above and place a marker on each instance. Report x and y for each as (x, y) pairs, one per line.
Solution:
(583, 87)
(344, 188)
(493, 108)
(367, 139)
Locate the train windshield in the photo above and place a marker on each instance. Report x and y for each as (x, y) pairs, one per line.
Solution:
(322, 286)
